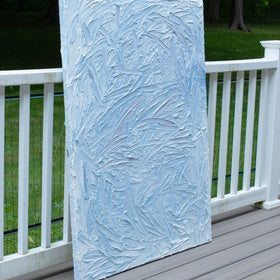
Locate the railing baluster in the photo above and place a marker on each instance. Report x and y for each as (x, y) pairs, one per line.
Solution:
(224, 135)
(66, 210)
(23, 169)
(212, 117)
(47, 165)
(237, 132)
(2, 142)
(262, 114)
(249, 130)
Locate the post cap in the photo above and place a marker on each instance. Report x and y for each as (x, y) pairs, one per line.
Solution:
(273, 44)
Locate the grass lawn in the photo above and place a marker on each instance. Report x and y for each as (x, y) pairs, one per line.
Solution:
(39, 47)
(224, 44)
(34, 47)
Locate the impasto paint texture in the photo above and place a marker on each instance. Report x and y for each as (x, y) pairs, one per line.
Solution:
(135, 105)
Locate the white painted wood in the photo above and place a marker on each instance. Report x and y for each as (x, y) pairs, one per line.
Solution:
(224, 135)
(270, 46)
(237, 132)
(249, 130)
(2, 142)
(272, 153)
(261, 129)
(238, 200)
(26, 77)
(212, 100)
(47, 165)
(66, 211)
(23, 168)
(40, 76)
(50, 273)
(240, 65)
(38, 258)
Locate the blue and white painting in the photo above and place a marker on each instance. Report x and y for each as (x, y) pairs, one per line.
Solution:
(135, 106)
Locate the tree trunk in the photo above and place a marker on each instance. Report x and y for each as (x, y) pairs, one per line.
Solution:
(213, 11)
(237, 21)
(21, 5)
(3, 5)
(52, 17)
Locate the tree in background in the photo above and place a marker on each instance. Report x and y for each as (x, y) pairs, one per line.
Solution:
(52, 16)
(231, 11)
(236, 19)
(2, 4)
(21, 5)
(212, 13)
(273, 7)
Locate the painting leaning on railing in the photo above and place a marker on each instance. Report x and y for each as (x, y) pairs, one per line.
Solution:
(136, 131)
(243, 102)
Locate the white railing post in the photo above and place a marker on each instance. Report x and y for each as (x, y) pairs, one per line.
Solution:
(270, 173)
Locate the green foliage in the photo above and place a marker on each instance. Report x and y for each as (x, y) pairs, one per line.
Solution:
(255, 11)
(274, 8)
(30, 47)
(30, 5)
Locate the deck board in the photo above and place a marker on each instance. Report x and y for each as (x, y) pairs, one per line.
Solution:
(246, 267)
(243, 220)
(220, 259)
(272, 272)
(245, 246)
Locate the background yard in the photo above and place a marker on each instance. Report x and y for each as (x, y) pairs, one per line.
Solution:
(26, 45)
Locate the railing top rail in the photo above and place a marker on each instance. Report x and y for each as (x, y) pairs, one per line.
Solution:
(34, 76)
(54, 75)
(240, 65)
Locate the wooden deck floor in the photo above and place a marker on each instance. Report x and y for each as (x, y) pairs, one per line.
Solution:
(246, 245)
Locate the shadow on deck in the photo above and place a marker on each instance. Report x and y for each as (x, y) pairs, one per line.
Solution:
(246, 245)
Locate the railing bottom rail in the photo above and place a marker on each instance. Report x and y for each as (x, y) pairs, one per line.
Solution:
(38, 258)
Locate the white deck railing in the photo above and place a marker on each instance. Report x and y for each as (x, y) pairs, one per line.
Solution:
(267, 171)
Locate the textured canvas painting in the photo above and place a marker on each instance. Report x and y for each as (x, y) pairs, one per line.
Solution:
(135, 107)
